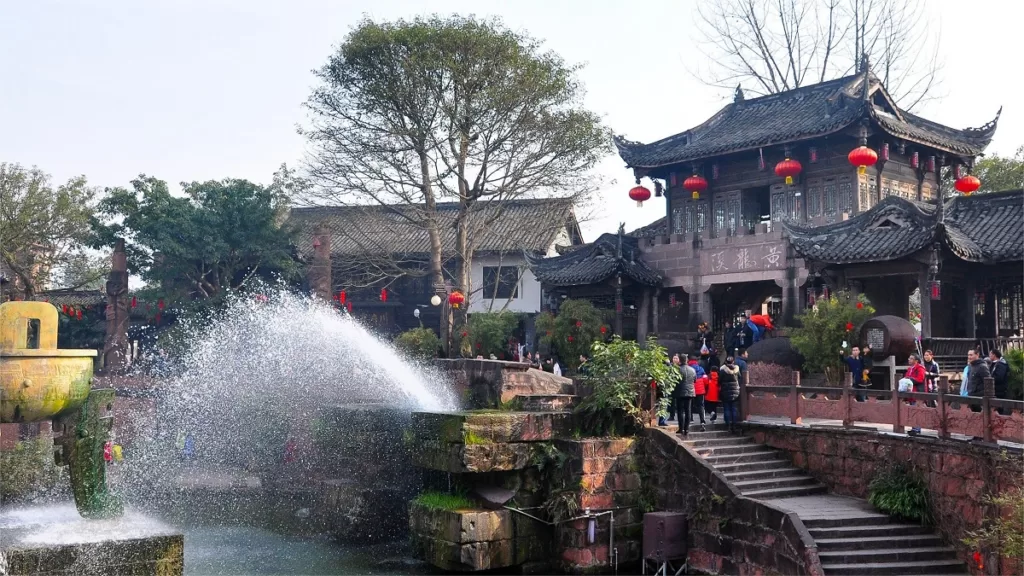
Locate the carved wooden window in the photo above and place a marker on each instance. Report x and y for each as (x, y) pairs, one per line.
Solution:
(733, 212)
(1009, 309)
(719, 215)
(778, 206)
(702, 215)
(690, 219)
(794, 204)
(829, 197)
(813, 199)
(846, 194)
(679, 219)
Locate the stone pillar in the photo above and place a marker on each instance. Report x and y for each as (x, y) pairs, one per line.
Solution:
(968, 307)
(700, 305)
(926, 303)
(115, 344)
(655, 311)
(618, 306)
(642, 314)
(320, 269)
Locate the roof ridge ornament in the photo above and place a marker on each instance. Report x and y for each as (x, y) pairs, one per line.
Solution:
(738, 97)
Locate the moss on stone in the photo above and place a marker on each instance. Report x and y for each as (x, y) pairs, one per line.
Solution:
(443, 501)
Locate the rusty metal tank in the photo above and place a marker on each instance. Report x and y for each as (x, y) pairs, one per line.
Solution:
(37, 380)
(889, 336)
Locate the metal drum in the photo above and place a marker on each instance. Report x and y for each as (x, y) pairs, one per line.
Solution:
(889, 336)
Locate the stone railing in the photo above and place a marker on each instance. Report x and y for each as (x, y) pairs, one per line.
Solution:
(985, 417)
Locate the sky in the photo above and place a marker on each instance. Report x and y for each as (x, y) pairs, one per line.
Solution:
(207, 89)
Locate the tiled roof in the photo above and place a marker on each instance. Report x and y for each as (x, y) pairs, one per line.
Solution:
(524, 224)
(985, 228)
(799, 114)
(657, 228)
(595, 262)
(72, 297)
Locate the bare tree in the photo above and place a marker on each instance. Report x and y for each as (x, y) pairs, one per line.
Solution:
(769, 46)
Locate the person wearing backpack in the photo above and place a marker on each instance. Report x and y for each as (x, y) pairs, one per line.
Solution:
(711, 396)
(683, 395)
(729, 391)
(700, 389)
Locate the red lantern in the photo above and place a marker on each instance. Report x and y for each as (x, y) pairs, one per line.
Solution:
(79, 314)
(456, 299)
(570, 338)
(383, 294)
(640, 195)
(160, 304)
(812, 152)
(849, 326)
(349, 307)
(135, 302)
(885, 151)
(967, 184)
(64, 308)
(860, 305)
(108, 451)
(788, 169)
(464, 334)
(604, 329)
(579, 324)
(695, 185)
(157, 317)
(915, 160)
(977, 560)
(477, 345)
(935, 289)
(862, 157)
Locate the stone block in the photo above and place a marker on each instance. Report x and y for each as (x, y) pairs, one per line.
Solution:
(461, 526)
(463, 458)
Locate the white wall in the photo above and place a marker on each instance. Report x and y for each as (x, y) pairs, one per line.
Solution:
(528, 297)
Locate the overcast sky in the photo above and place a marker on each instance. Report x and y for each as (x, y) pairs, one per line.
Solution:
(206, 89)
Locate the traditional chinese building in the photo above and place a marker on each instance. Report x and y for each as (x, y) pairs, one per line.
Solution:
(775, 198)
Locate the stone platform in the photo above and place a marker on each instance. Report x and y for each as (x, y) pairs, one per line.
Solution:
(54, 539)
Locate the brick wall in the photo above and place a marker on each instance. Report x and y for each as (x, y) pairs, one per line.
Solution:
(959, 474)
(727, 533)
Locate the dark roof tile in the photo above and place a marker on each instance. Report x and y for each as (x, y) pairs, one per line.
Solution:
(595, 262)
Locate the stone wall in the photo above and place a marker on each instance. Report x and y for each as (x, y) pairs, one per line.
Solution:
(959, 474)
(490, 383)
(727, 533)
(475, 540)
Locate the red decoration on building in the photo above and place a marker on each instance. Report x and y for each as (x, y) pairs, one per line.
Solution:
(885, 151)
(349, 307)
(672, 180)
(714, 171)
(160, 304)
(935, 290)
(671, 300)
(64, 308)
(342, 297)
(860, 305)
(967, 184)
(849, 326)
(604, 329)
(695, 185)
(977, 560)
(788, 169)
(915, 160)
(79, 314)
(135, 302)
(862, 157)
(931, 163)
(383, 294)
(456, 299)
(579, 324)
(639, 194)
(812, 153)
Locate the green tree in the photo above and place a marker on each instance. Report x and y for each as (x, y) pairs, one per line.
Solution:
(421, 343)
(573, 331)
(199, 247)
(42, 228)
(488, 333)
(621, 373)
(998, 173)
(450, 109)
(824, 328)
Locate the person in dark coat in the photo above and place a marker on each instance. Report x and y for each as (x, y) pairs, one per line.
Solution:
(684, 393)
(977, 371)
(1000, 371)
(729, 391)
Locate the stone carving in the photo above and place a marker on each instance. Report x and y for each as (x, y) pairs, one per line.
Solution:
(753, 258)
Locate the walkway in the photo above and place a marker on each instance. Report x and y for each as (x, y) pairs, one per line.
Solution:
(852, 537)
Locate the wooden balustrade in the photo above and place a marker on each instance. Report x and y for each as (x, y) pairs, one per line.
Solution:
(985, 417)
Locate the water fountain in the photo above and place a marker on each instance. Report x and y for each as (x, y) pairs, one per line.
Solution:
(39, 382)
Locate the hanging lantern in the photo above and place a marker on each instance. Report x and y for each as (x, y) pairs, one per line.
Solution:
(714, 171)
(639, 194)
(695, 185)
(849, 326)
(885, 151)
(672, 180)
(862, 157)
(931, 163)
(935, 290)
(967, 184)
(342, 297)
(579, 324)
(604, 329)
(860, 305)
(812, 152)
(135, 302)
(456, 299)
(435, 300)
(957, 172)
(788, 169)
(571, 338)
(383, 294)
(79, 314)
(349, 307)
(915, 160)
(64, 308)
(160, 304)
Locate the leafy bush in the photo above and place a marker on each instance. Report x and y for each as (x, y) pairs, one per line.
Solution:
(421, 343)
(444, 501)
(1015, 380)
(897, 491)
(573, 331)
(822, 331)
(488, 333)
(621, 373)
(1005, 531)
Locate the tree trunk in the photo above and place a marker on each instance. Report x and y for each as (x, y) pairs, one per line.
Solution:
(436, 274)
(464, 267)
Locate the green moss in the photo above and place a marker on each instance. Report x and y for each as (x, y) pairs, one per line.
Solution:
(469, 438)
(444, 501)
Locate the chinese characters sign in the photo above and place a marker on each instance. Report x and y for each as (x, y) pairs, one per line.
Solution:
(759, 257)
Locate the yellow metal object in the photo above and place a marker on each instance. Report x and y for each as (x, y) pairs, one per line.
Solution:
(38, 381)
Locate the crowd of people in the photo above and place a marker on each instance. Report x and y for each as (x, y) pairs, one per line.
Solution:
(703, 386)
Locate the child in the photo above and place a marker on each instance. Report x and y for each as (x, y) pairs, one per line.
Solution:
(711, 397)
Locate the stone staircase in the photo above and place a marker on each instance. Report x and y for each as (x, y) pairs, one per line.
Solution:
(852, 538)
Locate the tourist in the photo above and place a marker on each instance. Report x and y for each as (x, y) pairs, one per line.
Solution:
(856, 366)
(741, 361)
(729, 391)
(1000, 371)
(584, 367)
(704, 341)
(931, 372)
(977, 372)
(711, 396)
(556, 369)
(548, 365)
(700, 385)
(914, 380)
(684, 394)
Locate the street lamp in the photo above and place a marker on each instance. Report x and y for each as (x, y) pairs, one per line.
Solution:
(435, 300)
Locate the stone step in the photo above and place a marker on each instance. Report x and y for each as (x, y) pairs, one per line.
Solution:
(728, 439)
(871, 531)
(866, 519)
(878, 554)
(895, 568)
(729, 449)
(757, 465)
(777, 482)
(759, 474)
(790, 492)
(746, 458)
(696, 435)
(874, 542)
(546, 402)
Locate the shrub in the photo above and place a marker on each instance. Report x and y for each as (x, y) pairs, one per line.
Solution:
(488, 333)
(1003, 532)
(573, 331)
(621, 373)
(421, 343)
(897, 491)
(1015, 379)
(822, 331)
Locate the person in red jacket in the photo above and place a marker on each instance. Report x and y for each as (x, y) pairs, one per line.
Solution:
(700, 388)
(711, 397)
(916, 374)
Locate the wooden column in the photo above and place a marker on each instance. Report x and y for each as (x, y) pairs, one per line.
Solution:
(655, 312)
(642, 314)
(618, 306)
(115, 345)
(926, 303)
(320, 269)
(968, 306)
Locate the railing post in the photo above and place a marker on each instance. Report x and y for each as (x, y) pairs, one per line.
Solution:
(941, 405)
(986, 408)
(897, 427)
(794, 399)
(845, 399)
(745, 396)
